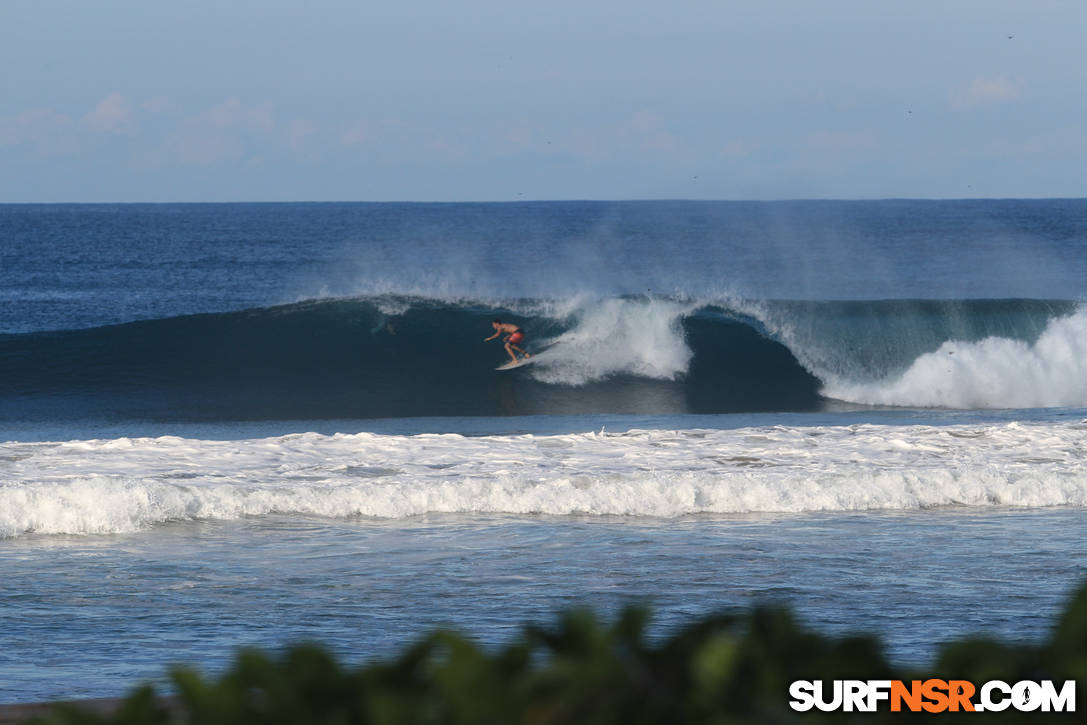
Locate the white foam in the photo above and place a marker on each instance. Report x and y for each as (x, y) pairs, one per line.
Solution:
(992, 373)
(112, 486)
(619, 336)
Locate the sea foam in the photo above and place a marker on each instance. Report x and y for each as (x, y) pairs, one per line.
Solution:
(116, 486)
(996, 372)
(641, 337)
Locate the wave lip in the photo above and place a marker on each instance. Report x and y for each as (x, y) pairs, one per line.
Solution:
(123, 485)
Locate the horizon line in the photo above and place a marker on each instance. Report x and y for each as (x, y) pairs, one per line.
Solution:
(657, 200)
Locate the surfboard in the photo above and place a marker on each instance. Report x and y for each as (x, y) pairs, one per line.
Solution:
(523, 361)
(514, 365)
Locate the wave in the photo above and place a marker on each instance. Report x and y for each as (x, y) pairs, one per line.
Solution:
(394, 356)
(121, 485)
(973, 354)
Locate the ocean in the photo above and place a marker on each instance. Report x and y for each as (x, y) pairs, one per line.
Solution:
(230, 425)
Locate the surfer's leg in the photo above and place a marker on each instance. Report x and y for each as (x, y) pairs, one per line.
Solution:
(512, 340)
(512, 356)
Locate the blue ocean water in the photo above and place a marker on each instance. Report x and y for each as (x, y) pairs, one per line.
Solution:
(233, 424)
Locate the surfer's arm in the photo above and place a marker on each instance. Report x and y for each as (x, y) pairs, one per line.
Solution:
(488, 339)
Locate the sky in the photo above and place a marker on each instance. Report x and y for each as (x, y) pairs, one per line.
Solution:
(500, 100)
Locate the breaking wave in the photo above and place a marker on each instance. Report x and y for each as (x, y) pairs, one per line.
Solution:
(121, 485)
(393, 356)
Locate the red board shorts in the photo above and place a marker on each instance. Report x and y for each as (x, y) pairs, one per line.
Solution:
(516, 337)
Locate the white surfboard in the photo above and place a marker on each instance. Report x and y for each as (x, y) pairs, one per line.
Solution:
(525, 361)
(514, 365)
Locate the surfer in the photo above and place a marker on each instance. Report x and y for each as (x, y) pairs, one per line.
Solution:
(514, 335)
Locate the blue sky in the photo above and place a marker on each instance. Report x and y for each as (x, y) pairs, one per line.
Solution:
(507, 100)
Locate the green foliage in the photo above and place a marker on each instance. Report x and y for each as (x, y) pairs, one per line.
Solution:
(721, 669)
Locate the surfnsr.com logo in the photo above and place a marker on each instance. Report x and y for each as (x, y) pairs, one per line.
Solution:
(932, 696)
